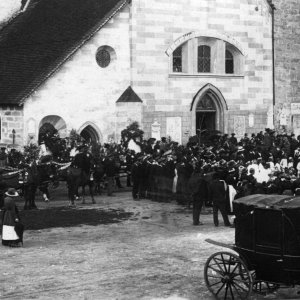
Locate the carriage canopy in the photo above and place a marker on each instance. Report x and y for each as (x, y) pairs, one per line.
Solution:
(268, 201)
(268, 224)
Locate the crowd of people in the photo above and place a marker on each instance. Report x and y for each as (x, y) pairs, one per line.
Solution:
(213, 172)
(261, 163)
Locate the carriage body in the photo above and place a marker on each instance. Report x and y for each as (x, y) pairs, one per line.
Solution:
(267, 236)
(267, 246)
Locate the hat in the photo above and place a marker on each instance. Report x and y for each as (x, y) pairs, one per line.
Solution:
(12, 192)
(232, 170)
(169, 152)
(231, 163)
(233, 134)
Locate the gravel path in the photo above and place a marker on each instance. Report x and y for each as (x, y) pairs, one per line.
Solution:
(155, 254)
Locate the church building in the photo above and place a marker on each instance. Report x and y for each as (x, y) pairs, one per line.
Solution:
(178, 68)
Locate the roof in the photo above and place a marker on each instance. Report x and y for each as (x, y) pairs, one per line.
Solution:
(39, 40)
(129, 96)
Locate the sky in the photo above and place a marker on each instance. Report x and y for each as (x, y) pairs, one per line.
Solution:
(8, 8)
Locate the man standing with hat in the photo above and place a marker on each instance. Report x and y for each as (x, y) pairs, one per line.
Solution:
(198, 190)
(3, 157)
(217, 194)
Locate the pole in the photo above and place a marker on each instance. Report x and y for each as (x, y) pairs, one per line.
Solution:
(14, 136)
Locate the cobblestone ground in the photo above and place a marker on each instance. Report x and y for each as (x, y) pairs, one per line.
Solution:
(155, 254)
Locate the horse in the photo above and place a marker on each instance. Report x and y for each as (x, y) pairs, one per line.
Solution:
(97, 173)
(37, 176)
(77, 177)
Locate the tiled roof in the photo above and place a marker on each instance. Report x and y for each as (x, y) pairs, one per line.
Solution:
(129, 96)
(36, 43)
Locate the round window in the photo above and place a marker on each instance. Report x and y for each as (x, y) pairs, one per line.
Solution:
(103, 58)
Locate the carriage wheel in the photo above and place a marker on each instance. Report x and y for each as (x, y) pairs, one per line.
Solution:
(227, 276)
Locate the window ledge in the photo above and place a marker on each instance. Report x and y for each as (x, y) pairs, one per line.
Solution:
(204, 75)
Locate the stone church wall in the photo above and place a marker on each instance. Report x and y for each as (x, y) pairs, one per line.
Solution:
(287, 63)
(157, 25)
(81, 91)
(11, 119)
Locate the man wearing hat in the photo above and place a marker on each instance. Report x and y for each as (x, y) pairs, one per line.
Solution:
(233, 140)
(217, 194)
(3, 188)
(199, 191)
(3, 157)
(12, 229)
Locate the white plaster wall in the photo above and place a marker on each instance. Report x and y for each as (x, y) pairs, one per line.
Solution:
(8, 8)
(80, 90)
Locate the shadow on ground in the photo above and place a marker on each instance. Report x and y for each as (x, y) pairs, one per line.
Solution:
(68, 217)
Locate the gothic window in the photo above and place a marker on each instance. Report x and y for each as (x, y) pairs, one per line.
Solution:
(229, 63)
(206, 104)
(177, 60)
(204, 59)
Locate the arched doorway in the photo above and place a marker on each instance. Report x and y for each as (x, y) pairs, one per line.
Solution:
(209, 111)
(205, 114)
(90, 133)
(52, 124)
(46, 129)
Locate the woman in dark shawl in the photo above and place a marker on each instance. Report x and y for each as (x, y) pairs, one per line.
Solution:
(12, 229)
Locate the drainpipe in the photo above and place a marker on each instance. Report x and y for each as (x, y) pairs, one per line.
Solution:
(273, 59)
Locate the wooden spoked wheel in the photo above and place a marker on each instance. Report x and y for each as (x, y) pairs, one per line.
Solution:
(227, 276)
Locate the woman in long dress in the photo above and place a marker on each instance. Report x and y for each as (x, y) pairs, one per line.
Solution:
(12, 229)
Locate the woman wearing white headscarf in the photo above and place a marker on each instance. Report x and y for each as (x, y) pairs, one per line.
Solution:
(12, 229)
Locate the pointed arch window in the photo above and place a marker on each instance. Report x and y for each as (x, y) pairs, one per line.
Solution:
(204, 58)
(177, 60)
(229, 62)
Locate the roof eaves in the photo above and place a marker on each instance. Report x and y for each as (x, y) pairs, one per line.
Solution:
(92, 32)
(6, 23)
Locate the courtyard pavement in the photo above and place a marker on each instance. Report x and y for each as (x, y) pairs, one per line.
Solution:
(156, 254)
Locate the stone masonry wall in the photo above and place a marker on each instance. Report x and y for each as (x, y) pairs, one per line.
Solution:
(157, 24)
(287, 63)
(11, 118)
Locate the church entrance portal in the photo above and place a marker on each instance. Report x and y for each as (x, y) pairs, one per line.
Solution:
(205, 117)
(50, 126)
(90, 134)
(209, 111)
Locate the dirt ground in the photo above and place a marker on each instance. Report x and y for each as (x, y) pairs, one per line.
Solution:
(155, 254)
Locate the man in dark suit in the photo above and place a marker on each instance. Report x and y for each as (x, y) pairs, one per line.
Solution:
(198, 189)
(217, 194)
(110, 171)
(82, 160)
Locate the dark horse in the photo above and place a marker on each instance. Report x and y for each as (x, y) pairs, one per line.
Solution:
(77, 177)
(36, 176)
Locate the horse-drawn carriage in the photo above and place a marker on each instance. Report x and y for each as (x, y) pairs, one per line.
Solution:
(267, 249)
